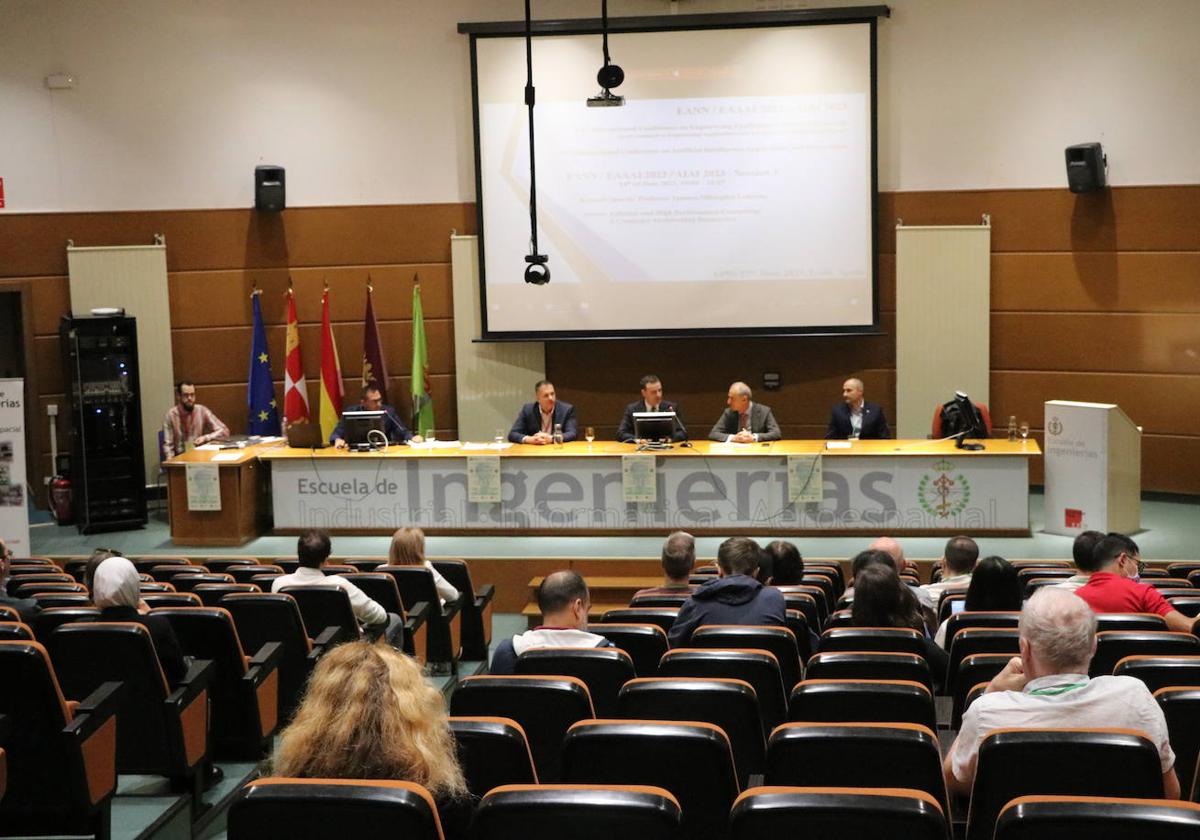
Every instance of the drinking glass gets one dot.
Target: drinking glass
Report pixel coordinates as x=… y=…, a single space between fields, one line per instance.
x=589 y=434
x=1023 y=430
x=498 y=437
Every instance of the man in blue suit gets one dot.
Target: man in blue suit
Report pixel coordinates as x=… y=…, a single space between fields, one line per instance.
x=535 y=424
x=652 y=400
x=856 y=419
x=372 y=400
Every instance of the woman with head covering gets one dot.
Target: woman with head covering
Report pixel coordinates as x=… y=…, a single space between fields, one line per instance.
x=408 y=549
x=116 y=591
x=369 y=713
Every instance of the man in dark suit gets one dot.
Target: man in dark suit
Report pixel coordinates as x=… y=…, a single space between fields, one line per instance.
x=535 y=424
x=372 y=400
x=856 y=419
x=652 y=400
x=744 y=421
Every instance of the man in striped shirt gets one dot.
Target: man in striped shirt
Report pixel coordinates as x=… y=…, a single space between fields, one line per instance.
x=188 y=424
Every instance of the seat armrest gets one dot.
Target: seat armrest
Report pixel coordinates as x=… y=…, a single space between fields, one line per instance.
x=95 y=710
x=484 y=595
x=450 y=610
x=264 y=662
x=198 y=678
x=415 y=616
x=323 y=641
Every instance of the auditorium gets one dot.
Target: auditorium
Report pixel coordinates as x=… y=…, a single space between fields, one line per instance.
x=688 y=418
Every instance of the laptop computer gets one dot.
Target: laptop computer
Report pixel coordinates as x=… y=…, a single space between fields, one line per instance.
x=306 y=436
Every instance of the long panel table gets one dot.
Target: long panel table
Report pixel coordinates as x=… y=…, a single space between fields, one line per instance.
x=902 y=487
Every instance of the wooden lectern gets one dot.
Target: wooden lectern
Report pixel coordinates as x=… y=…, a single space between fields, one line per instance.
x=1093 y=462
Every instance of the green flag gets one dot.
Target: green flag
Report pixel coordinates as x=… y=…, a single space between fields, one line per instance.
x=422 y=402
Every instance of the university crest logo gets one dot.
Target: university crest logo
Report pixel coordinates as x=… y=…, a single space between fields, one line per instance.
x=945 y=493
x=1054 y=427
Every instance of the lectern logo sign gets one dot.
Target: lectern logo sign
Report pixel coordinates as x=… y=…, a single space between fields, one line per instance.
x=944 y=494
x=1054 y=427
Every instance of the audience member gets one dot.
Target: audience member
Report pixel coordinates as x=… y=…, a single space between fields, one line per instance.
x=369 y=714
x=787 y=566
x=408 y=549
x=1084 y=552
x=735 y=597
x=116 y=591
x=957 y=563
x=903 y=564
x=313 y=549
x=881 y=600
x=994 y=587
x=26 y=608
x=1047 y=686
x=564 y=603
x=678 y=560
x=1114 y=587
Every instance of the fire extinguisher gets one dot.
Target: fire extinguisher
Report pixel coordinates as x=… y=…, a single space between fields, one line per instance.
x=60 y=500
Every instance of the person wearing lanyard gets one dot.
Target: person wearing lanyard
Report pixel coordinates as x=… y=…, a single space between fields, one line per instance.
x=1047 y=687
x=188 y=424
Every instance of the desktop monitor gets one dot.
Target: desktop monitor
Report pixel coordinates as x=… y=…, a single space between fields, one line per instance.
x=357 y=426
x=654 y=426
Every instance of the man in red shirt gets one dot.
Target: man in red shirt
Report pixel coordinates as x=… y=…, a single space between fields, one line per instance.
x=1114 y=587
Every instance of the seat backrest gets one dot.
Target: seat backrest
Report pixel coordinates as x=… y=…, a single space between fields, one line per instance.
x=209 y=633
x=823 y=604
x=806 y=604
x=46 y=600
x=896 y=639
x=866 y=755
x=663 y=617
x=1183 y=568
x=545 y=707
x=870 y=665
x=780 y=641
x=1181 y=707
x=223 y=564
x=728 y=703
x=972 y=640
x=211 y=593
x=1161 y=671
x=1189 y=605
x=840 y=618
x=1130 y=621
x=1168 y=582
x=973 y=670
x=692 y=760
x=15 y=631
x=963 y=620
x=415 y=584
x=308 y=808
x=603 y=671
x=582 y=812
x=28 y=590
x=88 y=654
x=1114 y=818
x=458 y=574
x=188 y=583
x=1114 y=645
x=366 y=564
x=172 y=599
x=947 y=602
x=645 y=644
x=849 y=701
x=493 y=751
x=380 y=588
x=1081 y=762
x=847 y=813
x=47 y=620
x=758 y=668
x=246 y=573
x=325 y=606
x=9 y=614
x=265 y=617
x=660 y=600
x=145 y=564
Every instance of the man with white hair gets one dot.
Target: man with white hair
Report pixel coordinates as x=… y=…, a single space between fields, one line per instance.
x=1047 y=687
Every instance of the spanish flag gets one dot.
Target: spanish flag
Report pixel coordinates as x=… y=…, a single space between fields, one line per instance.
x=331 y=374
x=295 y=390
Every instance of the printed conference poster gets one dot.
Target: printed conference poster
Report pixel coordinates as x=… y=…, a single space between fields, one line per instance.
x=638 y=478
x=14 y=513
x=203 y=486
x=483 y=478
x=804 y=478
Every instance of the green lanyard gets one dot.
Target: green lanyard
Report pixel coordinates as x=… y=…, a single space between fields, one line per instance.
x=1057 y=689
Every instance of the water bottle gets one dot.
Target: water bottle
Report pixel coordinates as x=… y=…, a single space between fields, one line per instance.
x=558 y=434
x=1012 y=429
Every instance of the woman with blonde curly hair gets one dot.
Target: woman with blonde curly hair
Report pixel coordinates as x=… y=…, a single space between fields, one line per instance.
x=368 y=713
x=408 y=549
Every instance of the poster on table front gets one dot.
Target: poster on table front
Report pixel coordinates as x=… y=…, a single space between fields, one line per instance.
x=14 y=512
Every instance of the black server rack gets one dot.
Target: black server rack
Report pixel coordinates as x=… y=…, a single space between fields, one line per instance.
x=108 y=474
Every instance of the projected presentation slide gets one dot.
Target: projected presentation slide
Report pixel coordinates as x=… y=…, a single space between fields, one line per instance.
x=732 y=191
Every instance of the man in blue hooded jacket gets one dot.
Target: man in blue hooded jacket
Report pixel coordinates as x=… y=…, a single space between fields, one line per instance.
x=735 y=597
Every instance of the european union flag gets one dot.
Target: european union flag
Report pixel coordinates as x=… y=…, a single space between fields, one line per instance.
x=260 y=395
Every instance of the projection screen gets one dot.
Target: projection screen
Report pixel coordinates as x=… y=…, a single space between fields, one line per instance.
x=734 y=193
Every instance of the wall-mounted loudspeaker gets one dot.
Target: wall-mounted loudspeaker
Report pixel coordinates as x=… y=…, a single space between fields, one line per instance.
x=1086 y=168
x=269 y=188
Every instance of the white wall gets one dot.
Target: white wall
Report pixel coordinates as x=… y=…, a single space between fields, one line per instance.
x=368 y=101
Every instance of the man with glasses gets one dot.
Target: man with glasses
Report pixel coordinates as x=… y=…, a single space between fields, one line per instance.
x=188 y=424
x=27 y=608
x=1115 y=588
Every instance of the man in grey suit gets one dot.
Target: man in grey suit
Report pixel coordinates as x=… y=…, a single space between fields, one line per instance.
x=744 y=421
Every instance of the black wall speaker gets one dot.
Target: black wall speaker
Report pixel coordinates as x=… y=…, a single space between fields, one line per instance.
x=1086 y=167
x=269 y=192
